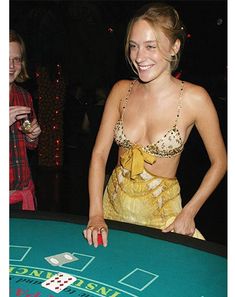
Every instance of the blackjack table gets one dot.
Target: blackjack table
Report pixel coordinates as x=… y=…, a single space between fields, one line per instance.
x=138 y=261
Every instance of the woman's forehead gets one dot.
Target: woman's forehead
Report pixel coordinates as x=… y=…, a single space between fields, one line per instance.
x=143 y=29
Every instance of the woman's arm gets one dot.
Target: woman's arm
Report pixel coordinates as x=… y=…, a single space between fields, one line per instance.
x=98 y=162
x=207 y=124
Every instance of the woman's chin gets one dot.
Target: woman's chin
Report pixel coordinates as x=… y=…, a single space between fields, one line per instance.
x=146 y=78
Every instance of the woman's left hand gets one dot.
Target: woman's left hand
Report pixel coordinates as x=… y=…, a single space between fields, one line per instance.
x=183 y=224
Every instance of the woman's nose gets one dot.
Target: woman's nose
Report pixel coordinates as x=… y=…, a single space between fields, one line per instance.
x=140 y=55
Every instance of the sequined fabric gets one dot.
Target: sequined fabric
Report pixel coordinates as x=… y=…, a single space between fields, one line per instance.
x=168 y=146
x=147 y=200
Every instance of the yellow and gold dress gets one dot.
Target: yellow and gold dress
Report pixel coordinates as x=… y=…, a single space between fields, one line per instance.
x=133 y=194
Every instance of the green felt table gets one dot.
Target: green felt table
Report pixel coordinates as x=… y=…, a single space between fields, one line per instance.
x=138 y=261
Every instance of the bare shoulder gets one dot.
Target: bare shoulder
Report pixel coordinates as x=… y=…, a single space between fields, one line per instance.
x=121 y=87
x=118 y=92
x=196 y=96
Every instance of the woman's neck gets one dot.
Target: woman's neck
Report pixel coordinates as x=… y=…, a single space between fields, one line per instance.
x=159 y=85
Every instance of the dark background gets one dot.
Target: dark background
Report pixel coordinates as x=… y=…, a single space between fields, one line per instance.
x=87 y=39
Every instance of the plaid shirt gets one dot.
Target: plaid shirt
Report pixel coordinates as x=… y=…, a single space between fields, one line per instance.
x=19 y=167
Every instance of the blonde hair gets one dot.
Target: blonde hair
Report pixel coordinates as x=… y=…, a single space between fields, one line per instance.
x=15 y=37
x=164 y=17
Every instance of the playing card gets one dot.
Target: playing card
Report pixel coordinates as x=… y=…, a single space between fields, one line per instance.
x=60 y=259
x=59 y=282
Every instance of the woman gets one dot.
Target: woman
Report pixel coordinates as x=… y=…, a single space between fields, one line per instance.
x=150 y=119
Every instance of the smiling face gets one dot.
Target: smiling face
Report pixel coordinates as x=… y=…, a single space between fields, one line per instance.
x=15 y=65
x=150 y=51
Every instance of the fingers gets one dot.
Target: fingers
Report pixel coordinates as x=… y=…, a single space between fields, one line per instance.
x=17 y=113
x=104 y=234
x=91 y=234
x=170 y=228
x=34 y=131
x=21 y=116
x=192 y=231
x=19 y=109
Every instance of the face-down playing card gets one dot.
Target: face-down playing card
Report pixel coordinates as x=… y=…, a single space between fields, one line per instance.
x=60 y=259
x=59 y=282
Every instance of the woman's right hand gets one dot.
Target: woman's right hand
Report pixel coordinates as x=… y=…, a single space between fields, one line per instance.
x=95 y=226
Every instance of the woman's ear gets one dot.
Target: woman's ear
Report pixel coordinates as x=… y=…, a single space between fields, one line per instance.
x=176 y=47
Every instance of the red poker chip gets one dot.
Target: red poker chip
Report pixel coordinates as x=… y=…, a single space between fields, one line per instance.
x=100 y=240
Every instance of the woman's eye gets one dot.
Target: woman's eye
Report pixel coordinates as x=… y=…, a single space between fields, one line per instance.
x=132 y=45
x=151 y=46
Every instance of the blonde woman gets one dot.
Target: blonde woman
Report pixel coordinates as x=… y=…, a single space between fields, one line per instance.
x=150 y=119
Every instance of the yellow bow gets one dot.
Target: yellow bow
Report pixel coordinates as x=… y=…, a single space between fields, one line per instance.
x=133 y=160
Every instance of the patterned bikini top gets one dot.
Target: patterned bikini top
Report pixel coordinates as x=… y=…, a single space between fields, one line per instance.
x=168 y=146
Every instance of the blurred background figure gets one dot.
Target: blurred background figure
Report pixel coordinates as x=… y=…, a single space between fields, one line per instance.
x=22 y=194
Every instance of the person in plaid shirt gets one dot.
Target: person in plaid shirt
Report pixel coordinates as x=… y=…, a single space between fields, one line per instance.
x=21 y=108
